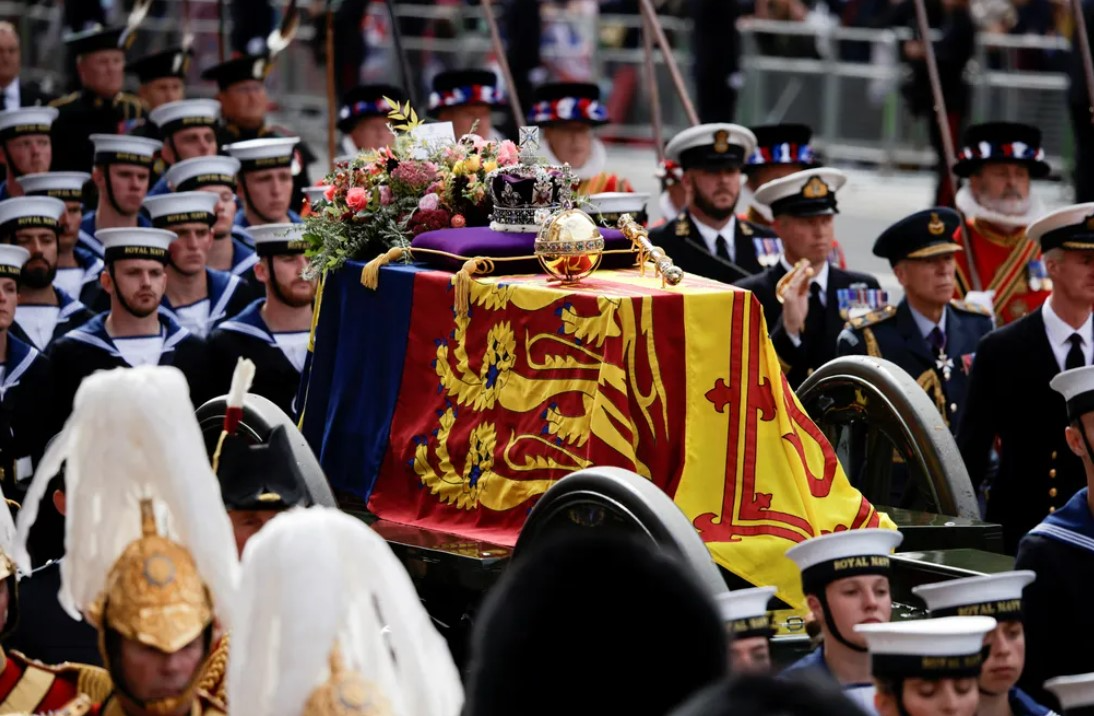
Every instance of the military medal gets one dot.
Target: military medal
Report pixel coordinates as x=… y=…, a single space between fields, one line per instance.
x=1037 y=275
x=858 y=300
x=768 y=251
x=945 y=364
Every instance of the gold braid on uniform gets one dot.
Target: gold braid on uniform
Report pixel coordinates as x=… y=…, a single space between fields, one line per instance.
x=930 y=383
x=93 y=681
x=212 y=679
x=872 y=348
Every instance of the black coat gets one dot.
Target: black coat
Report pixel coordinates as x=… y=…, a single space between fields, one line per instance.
x=894 y=336
x=681 y=240
x=82 y=114
x=89 y=348
x=73 y=314
x=31 y=94
x=1009 y=397
x=247 y=336
x=27 y=417
x=801 y=360
x=44 y=630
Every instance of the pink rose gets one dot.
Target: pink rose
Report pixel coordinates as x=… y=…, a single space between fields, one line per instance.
x=474 y=141
x=429 y=202
x=508 y=154
x=356 y=198
x=385 y=195
x=458 y=222
x=329 y=193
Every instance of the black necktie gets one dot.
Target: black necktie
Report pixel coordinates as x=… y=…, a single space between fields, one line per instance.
x=721 y=248
x=1075 y=357
x=937 y=339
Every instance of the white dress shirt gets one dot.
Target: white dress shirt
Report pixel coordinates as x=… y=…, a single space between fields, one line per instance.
x=1059 y=335
x=12 y=98
x=710 y=236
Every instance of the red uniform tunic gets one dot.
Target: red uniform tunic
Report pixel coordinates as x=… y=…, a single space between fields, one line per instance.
x=30 y=687
x=602 y=182
x=1003 y=262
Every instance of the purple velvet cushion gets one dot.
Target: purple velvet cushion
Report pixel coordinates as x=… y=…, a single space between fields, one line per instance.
x=481 y=241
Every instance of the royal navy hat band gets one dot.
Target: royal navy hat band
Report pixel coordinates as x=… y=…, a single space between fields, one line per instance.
x=1080 y=405
x=184 y=217
x=14 y=272
x=153 y=253
x=107 y=158
x=63 y=194
x=818 y=576
x=1001 y=609
x=29 y=222
x=22 y=130
x=202 y=180
x=276 y=248
x=257 y=165
x=177 y=125
x=750 y=627
x=928 y=667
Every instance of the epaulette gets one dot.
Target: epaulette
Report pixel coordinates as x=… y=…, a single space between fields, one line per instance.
x=970 y=307
x=746 y=228
x=683 y=226
x=873 y=317
x=67 y=99
x=91 y=680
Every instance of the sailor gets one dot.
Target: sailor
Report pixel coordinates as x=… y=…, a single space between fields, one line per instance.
x=232 y=250
x=928 y=334
x=188 y=130
x=748 y=626
x=1037 y=473
x=123 y=166
x=781 y=150
x=1075 y=693
x=568 y=112
x=845 y=578
x=198 y=298
x=273 y=331
x=133 y=332
x=26 y=685
x=99 y=106
x=1058 y=550
x=800 y=294
x=78 y=268
x=26 y=145
x=1000 y=596
x=363 y=645
x=27 y=386
x=45 y=312
x=362 y=117
x=706 y=238
x=999 y=159
x=927 y=667
x=265 y=181
x=150 y=560
x=468 y=98
x=241 y=91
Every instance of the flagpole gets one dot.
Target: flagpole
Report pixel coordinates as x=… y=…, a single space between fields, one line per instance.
x=221 y=29
x=332 y=100
x=503 y=62
x=654 y=91
x=650 y=15
x=942 y=120
x=409 y=84
x=1084 y=51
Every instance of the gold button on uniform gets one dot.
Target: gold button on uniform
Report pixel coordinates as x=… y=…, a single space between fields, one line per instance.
x=1052 y=492
x=953 y=407
x=1053 y=454
x=1051 y=510
x=1052 y=472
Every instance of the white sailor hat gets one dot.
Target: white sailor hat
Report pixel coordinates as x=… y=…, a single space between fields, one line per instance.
x=315 y=194
x=271 y=239
x=12 y=258
x=135 y=243
x=267 y=153
x=68 y=186
x=1073 y=692
x=1077 y=387
x=1071 y=227
x=184 y=207
x=186 y=113
x=124 y=149
x=838 y=555
x=811 y=192
x=190 y=174
x=610 y=206
x=26 y=120
x=30 y=212
x=949 y=647
x=711 y=146
x=745 y=611
x=990 y=595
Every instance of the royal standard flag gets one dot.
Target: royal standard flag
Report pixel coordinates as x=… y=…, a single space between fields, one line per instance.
x=460 y=422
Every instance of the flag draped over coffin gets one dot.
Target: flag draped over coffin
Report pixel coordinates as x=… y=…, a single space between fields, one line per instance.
x=459 y=422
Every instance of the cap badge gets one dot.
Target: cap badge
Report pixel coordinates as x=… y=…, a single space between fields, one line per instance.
x=259 y=70
x=815 y=189
x=936 y=226
x=721 y=141
x=176 y=62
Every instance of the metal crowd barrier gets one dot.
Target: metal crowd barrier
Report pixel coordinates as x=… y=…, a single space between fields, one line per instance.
x=856 y=108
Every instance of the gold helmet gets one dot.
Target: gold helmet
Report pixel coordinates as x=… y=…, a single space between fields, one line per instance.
x=346 y=693
x=154 y=594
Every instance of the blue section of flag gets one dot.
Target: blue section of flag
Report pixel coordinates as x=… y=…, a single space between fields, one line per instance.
x=353 y=377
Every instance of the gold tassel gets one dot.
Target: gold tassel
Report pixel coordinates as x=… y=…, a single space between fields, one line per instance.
x=462 y=282
x=370 y=274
